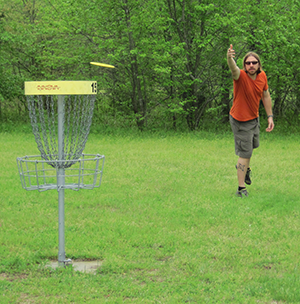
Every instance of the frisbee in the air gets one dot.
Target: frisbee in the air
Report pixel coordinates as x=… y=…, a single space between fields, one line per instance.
x=103 y=65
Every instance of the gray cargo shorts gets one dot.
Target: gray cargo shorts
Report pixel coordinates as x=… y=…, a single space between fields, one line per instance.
x=246 y=136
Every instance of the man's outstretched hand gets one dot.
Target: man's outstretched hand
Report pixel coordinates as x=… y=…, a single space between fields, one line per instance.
x=231 y=52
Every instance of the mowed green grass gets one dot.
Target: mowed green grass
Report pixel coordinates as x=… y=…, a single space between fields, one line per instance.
x=165 y=224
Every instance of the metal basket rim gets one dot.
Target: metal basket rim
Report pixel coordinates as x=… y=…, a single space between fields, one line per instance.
x=91 y=157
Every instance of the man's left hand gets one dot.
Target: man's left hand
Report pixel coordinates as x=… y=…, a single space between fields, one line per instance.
x=270 y=124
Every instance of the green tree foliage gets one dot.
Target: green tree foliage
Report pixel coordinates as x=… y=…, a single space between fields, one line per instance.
x=170 y=54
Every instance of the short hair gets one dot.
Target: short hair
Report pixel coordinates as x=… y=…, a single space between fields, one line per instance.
x=258 y=59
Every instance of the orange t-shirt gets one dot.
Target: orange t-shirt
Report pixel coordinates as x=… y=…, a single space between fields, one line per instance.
x=247 y=95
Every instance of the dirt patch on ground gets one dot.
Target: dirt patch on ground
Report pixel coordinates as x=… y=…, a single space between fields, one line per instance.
x=11 y=277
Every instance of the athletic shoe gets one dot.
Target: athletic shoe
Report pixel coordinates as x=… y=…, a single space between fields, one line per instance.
x=242 y=193
x=247 y=177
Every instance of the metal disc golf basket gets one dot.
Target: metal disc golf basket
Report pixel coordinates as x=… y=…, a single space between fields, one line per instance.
x=61 y=115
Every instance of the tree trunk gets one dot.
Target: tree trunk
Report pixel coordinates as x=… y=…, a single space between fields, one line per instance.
x=139 y=103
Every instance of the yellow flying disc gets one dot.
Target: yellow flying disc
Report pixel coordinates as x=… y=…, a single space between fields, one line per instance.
x=103 y=65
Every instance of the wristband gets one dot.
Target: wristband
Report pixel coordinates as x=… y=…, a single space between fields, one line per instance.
x=270 y=116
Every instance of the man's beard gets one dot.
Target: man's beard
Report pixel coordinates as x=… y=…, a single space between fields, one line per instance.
x=252 y=71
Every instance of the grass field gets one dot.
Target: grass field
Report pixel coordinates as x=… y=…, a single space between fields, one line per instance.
x=165 y=224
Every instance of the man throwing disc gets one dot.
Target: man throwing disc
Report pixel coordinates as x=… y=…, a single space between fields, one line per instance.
x=250 y=85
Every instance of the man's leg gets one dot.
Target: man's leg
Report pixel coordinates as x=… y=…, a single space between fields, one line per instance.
x=242 y=166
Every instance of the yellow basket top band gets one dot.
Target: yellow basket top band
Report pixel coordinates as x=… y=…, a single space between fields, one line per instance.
x=60 y=87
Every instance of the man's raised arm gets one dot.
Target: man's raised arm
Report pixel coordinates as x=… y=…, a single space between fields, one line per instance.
x=235 y=71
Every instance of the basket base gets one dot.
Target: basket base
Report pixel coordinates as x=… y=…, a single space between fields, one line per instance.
x=36 y=173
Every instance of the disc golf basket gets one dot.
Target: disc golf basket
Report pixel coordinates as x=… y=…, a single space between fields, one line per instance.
x=61 y=115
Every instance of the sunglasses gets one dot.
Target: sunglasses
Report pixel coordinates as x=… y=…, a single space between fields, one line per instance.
x=253 y=62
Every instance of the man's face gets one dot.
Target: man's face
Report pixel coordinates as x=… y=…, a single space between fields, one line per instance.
x=252 y=65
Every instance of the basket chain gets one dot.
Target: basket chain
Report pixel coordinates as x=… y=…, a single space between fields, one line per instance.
x=78 y=113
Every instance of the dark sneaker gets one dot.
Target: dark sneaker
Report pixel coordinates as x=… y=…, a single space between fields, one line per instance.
x=247 y=177
x=242 y=193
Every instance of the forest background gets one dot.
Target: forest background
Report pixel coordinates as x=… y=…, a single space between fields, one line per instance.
x=170 y=56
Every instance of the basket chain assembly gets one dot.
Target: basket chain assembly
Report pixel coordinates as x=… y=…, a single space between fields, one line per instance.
x=77 y=119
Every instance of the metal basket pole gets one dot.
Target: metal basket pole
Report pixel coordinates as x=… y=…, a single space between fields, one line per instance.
x=61 y=183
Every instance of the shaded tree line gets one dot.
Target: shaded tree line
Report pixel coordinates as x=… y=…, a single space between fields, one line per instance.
x=170 y=54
